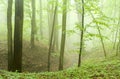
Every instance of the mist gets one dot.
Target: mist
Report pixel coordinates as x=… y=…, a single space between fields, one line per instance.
x=57 y=34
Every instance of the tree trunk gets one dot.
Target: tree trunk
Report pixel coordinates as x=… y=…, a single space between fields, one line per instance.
x=118 y=45
x=41 y=14
x=56 y=33
x=33 y=24
x=9 y=35
x=51 y=38
x=55 y=40
x=64 y=16
x=101 y=38
x=18 y=33
x=50 y=18
x=82 y=34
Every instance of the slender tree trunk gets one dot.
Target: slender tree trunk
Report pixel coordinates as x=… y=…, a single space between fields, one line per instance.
x=55 y=40
x=80 y=6
x=64 y=16
x=18 y=31
x=101 y=38
x=33 y=24
x=50 y=18
x=118 y=45
x=41 y=25
x=116 y=34
x=51 y=38
x=9 y=35
x=56 y=33
x=82 y=35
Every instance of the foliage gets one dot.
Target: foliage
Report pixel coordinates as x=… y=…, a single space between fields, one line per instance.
x=104 y=69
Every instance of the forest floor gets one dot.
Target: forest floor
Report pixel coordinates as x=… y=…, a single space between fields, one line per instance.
x=34 y=60
x=106 y=69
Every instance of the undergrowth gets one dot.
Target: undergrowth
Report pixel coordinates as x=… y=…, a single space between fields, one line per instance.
x=105 y=69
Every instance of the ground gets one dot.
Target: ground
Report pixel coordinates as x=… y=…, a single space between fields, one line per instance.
x=104 y=69
x=34 y=60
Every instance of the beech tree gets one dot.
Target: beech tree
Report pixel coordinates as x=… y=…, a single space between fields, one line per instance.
x=9 y=35
x=51 y=37
x=64 y=16
x=33 y=24
x=82 y=35
x=18 y=34
x=41 y=17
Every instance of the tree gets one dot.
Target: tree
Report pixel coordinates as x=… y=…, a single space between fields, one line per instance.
x=98 y=20
x=56 y=35
x=81 y=36
x=118 y=33
x=50 y=12
x=64 y=16
x=99 y=31
x=51 y=38
x=18 y=31
x=33 y=24
x=9 y=35
x=41 y=14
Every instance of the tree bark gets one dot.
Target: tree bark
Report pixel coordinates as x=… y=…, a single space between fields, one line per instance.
x=18 y=33
x=9 y=35
x=41 y=25
x=33 y=24
x=64 y=16
x=51 y=38
x=50 y=18
x=82 y=35
x=101 y=38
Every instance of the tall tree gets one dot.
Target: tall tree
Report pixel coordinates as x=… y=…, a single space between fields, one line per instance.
x=99 y=31
x=118 y=35
x=41 y=14
x=33 y=24
x=51 y=38
x=9 y=35
x=118 y=45
x=64 y=16
x=82 y=35
x=56 y=35
x=18 y=34
x=50 y=12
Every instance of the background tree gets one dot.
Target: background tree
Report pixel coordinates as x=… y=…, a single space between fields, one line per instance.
x=33 y=24
x=64 y=16
x=41 y=22
x=50 y=11
x=51 y=38
x=56 y=35
x=9 y=35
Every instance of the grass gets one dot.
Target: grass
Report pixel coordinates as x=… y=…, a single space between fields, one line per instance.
x=105 y=69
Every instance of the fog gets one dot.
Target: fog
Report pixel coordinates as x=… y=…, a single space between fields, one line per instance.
x=92 y=46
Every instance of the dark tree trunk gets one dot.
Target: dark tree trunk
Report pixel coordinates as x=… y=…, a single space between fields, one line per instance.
x=9 y=35
x=61 y=60
x=18 y=31
x=81 y=36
